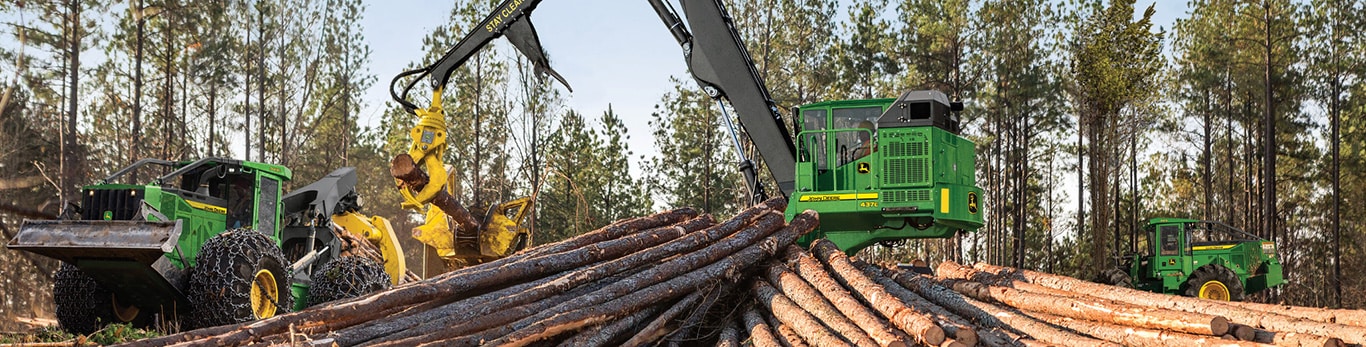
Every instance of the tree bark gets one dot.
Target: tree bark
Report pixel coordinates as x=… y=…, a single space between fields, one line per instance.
x=604 y=334
x=446 y=288
x=809 y=269
x=960 y=329
x=730 y=335
x=453 y=319
x=786 y=335
x=405 y=170
x=792 y=315
x=909 y=320
x=70 y=161
x=1097 y=310
x=680 y=266
x=659 y=326
x=1131 y=336
x=956 y=271
x=988 y=315
x=1296 y=340
x=1267 y=320
x=536 y=328
x=806 y=296
x=760 y=334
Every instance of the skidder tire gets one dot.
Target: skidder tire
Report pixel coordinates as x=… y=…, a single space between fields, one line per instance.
x=347 y=277
x=82 y=305
x=1116 y=277
x=240 y=276
x=1214 y=282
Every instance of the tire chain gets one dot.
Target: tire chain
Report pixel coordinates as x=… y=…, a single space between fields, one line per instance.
x=79 y=300
x=347 y=277
x=220 y=283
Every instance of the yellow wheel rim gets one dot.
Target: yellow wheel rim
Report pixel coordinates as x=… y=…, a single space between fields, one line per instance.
x=123 y=313
x=264 y=294
x=1214 y=290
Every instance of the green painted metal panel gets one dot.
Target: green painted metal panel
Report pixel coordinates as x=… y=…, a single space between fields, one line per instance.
x=917 y=182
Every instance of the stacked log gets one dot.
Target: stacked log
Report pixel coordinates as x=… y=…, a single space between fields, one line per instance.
x=644 y=280
x=680 y=278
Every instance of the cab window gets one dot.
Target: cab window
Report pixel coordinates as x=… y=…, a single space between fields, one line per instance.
x=813 y=144
x=1170 y=235
x=266 y=207
x=857 y=143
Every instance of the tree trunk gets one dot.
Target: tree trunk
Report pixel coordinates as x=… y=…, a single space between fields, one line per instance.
x=760 y=334
x=1298 y=340
x=909 y=320
x=447 y=288
x=1131 y=336
x=135 y=148
x=730 y=335
x=730 y=268
x=806 y=296
x=960 y=329
x=988 y=315
x=1269 y=138
x=809 y=269
x=70 y=160
x=794 y=316
x=1267 y=320
x=604 y=334
x=1096 y=310
x=452 y=320
x=659 y=326
x=414 y=179
x=786 y=335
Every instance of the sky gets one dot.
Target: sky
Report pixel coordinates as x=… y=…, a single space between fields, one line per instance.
x=610 y=51
x=622 y=56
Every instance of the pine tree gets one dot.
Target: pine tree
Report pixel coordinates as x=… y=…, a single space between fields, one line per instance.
x=693 y=149
x=1101 y=90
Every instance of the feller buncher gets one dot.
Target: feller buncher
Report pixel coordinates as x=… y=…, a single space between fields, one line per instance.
x=1195 y=258
x=877 y=170
x=208 y=242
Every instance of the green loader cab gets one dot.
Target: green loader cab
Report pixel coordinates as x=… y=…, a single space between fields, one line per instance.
x=1195 y=258
x=885 y=170
x=202 y=243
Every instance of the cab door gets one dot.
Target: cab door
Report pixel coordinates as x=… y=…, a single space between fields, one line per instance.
x=1167 y=261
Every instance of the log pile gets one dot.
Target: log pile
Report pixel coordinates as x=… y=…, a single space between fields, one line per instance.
x=680 y=278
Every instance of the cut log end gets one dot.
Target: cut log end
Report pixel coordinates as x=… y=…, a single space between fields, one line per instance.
x=1243 y=332
x=1219 y=326
x=933 y=335
x=404 y=168
x=953 y=343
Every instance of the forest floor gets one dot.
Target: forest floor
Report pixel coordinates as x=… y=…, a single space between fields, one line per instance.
x=44 y=332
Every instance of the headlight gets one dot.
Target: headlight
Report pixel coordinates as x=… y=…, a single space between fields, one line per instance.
x=1269 y=248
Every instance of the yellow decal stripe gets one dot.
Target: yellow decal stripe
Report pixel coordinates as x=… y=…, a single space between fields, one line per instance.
x=1207 y=248
x=207 y=207
x=838 y=197
x=944 y=200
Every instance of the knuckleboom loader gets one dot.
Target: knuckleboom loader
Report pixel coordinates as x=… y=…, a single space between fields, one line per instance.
x=877 y=170
x=207 y=242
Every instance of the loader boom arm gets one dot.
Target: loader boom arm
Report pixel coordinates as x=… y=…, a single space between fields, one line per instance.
x=717 y=58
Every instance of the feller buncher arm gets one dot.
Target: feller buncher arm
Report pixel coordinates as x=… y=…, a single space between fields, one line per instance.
x=422 y=177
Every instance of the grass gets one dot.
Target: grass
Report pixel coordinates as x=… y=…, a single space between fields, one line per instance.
x=111 y=334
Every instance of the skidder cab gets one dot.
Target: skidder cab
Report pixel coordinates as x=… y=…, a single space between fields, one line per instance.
x=1197 y=258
